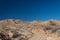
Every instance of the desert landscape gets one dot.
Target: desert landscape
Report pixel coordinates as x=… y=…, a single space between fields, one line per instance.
x=35 y=30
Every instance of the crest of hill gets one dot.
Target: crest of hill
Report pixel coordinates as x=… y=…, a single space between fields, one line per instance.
x=13 y=21
x=47 y=22
x=57 y=22
x=36 y=21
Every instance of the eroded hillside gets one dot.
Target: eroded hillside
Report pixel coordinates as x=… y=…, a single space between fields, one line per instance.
x=35 y=30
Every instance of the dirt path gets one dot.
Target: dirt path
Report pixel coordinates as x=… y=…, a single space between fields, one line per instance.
x=38 y=35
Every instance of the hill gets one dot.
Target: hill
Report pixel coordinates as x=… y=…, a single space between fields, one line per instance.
x=36 y=30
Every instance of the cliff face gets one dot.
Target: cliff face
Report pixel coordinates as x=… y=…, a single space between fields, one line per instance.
x=35 y=30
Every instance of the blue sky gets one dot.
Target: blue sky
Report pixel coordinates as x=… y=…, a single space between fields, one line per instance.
x=29 y=10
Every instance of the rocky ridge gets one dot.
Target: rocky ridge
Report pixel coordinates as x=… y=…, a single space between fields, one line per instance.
x=36 y=30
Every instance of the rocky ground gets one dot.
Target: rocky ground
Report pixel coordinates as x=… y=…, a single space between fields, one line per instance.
x=36 y=30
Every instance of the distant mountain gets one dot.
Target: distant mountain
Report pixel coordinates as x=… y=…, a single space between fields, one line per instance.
x=36 y=30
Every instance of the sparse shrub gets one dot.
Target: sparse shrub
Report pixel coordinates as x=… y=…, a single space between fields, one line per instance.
x=55 y=29
x=16 y=34
x=19 y=35
x=52 y=23
x=4 y=36
x=58 y=32
x=47 y=28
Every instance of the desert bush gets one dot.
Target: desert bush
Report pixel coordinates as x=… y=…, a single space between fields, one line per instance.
x=20 y=36
x=16 y=34
x=52 y=23
x=58 y=32
x=55 y=29
x=47 y=28
x=4 y=36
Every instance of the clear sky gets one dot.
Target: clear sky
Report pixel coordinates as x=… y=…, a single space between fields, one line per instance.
x=30 y=9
